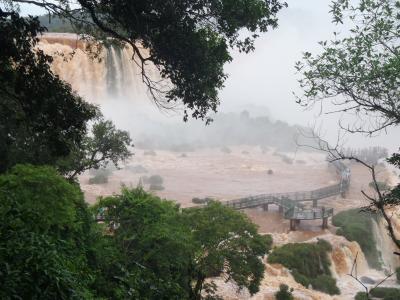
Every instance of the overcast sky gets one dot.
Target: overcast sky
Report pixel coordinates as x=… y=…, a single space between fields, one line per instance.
x=267 y=76
x=265 y=79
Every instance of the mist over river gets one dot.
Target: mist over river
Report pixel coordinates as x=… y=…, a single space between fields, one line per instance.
x=205 y=165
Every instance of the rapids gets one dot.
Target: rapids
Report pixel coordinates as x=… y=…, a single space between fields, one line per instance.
x=116 y=78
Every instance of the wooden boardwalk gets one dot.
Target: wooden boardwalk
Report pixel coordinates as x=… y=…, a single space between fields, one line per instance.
x=290 y=203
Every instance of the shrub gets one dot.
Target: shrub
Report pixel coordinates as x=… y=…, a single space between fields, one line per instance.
x=386 y=293
x=270 y=172
x=398 y=274
x=361 y=296
x=99 y=179
x=284 y=293
x=155 y=187
x=202 y=200
x=156 y=182
x=226 y=150
x=326 y=284
x=103 y=171
x=46 y=231
x=357 y=226
x=155 y=179
x=309 y=264
x=245 y=152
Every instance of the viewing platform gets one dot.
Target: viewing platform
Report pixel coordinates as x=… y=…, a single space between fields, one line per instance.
x=290 y=203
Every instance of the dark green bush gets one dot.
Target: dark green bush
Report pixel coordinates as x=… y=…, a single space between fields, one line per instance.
x=99 y=179
x=309 y=264
x=326 y=284
x=361 y=296
x=202 y=200
x=284 y=293
x=398 y=274
x=357 y=226
x=386 y=293
x=45 y=235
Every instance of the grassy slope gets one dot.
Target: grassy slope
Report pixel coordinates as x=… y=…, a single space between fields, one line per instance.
x=309 y=264
x=357 y=226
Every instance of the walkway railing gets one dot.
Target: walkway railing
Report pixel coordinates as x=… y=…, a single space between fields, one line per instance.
x=294 y=210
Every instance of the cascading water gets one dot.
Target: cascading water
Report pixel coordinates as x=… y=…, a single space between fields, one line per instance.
x=385 y=246
x=113 y=76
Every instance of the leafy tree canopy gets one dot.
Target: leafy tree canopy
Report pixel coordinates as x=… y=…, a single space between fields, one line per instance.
x=103 y=145
x=42 y=121
x=45 y=236
x=175 y=252
x=187 y=41
x=40 y=117
x=227 y=243
x=359 y=73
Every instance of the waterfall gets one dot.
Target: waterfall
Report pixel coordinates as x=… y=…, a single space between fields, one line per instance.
x=385 y=245
x=113 y=76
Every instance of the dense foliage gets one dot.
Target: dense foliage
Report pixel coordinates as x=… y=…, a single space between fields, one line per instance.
x=187 y=41
x=42 y=121
x=383 y=293
x=46 y=236
x=358 y=73
x=386 y=293
x=228 y=245
x=309 y=264
x=40 y=117
x=357 y=226
x=145 y=248
x=284 y=293
x=175 y=252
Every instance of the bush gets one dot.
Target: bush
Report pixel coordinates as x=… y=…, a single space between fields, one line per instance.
x=45 y=233
x=205 y=200
x=386 y=293
x=103 y=171
x=156 y=187
x=398 y=274
x=226 y=150
x=155 y=182
x=270 y=172
x=99 y=179
x=284 y=293
x=326 y=284
x=357 y=226
x=309 y=263
x=361 y=296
